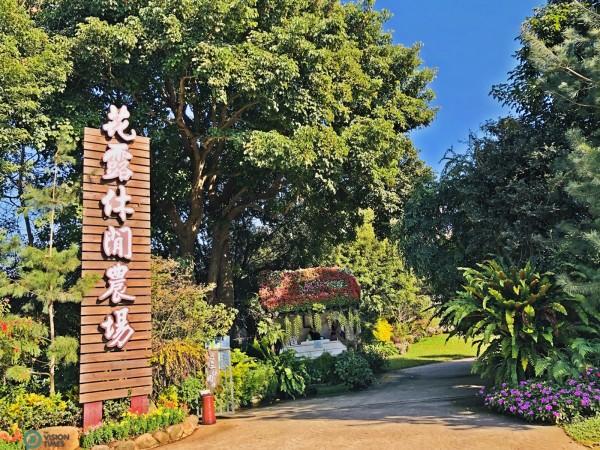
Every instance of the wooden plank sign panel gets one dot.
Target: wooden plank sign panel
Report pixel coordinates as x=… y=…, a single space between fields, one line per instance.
x=116 y=313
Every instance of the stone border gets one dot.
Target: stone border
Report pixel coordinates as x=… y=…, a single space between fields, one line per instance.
x=70 y=437
x=172 y=433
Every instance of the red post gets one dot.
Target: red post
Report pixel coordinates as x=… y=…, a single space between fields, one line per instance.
x=208 y=410
x=92 y=414
x=139 y=404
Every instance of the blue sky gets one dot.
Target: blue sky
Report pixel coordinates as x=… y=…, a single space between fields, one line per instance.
x=471 y=44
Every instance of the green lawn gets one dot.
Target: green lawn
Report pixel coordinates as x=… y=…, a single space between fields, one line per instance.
x=586 y=432
x=432 y=349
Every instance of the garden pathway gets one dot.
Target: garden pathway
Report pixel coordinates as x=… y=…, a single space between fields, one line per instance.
x=423 y=408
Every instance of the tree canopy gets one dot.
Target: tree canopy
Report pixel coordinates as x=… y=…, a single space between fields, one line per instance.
x=255 y=108
x=506 y=195
x=389 y=289
x=33 y=67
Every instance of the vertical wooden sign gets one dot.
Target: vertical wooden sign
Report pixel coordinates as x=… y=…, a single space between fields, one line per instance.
x=116 y=314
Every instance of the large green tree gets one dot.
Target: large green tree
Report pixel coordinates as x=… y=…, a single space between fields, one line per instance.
x=501 y=197
x=255 y=107
x=33 y=67
x=48 y=277
x=506 y=195
x=570 y=70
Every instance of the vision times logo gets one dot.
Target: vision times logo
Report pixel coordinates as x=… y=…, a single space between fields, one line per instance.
x=32 y=439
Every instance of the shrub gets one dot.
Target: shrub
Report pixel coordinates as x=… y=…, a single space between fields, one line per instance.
x=115 y=410
x=183 y=322
x=321 y=370
x=290 y=372
x=543 y=401
x=179 y=306
x=377 y=355
x=168 y=398
x=132 y=426
x=382 y=331
x=526 y=327
x=190 y=392
x=353 y=370
x=252 y=380
x=35 y=411
x=21 y=339
x=175 y=360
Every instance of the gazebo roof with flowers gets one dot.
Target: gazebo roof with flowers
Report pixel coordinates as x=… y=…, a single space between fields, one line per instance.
x=296 y=290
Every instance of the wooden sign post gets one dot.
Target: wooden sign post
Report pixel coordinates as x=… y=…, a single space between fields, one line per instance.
x=116 y=314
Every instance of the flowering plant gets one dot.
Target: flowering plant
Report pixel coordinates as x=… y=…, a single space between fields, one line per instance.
x=14 y=435
x=132 y=425
x=539 y=401
x=292 y=289
x=29 y=410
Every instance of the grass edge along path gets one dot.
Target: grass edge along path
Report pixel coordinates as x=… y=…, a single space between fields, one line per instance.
x=586 y=431
x=431 y=350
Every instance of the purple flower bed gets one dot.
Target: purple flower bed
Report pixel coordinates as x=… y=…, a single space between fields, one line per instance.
x=541 y=401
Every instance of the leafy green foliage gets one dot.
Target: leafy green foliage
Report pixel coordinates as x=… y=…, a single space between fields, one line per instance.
x=389 y=289
x=578 y=253
x=260 y=112
x=513 y=177
x=21 y=340
x=523 y=325
x=321 y=370
x=115 y=410
x=253 y=380
x=353 y=370
x=505 y=181
x=34 y=411
x=33 y=67
x=175 y=360
x=183 y=322
x=586 y=431
x=11 y=445
x=289 y=371
x=47 y=277
x=377 y=355
x=180 y=308
x=190 y=392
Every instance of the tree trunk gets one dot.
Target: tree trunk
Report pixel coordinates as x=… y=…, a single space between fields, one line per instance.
x=219 y=259
x=187 y=244
x=21 y=191
x=52 y=364
x=225 y=292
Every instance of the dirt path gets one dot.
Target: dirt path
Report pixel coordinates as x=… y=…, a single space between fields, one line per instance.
x=424 y=408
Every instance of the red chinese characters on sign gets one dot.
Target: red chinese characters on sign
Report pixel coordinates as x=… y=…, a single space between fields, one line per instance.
x=117 y=241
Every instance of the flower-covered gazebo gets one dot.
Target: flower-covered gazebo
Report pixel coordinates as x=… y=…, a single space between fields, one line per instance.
x=317 y=307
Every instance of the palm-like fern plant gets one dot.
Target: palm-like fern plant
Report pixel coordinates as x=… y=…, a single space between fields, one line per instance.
x=523 y=324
